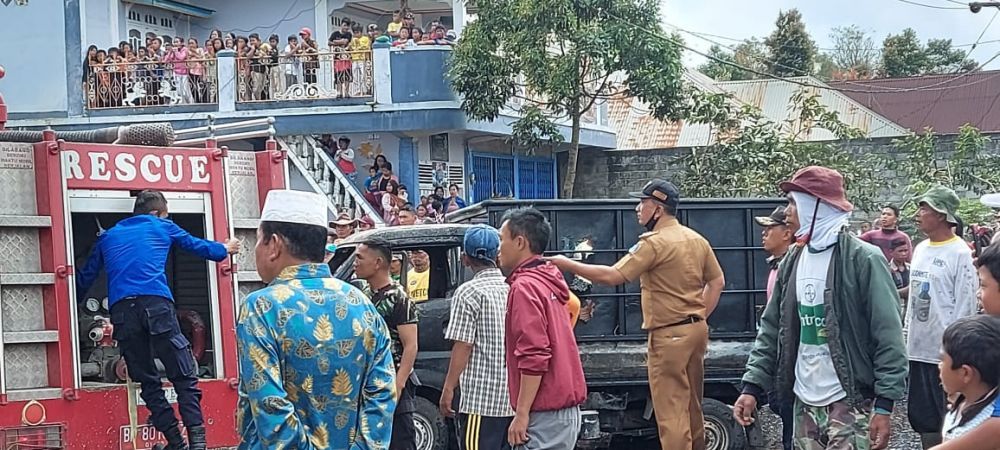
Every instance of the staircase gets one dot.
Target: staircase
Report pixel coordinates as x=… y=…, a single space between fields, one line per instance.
x=319 y=170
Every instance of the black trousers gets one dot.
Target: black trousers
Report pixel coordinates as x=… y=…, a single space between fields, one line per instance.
x=477 y=432
x=404 y=433
x=146 y=326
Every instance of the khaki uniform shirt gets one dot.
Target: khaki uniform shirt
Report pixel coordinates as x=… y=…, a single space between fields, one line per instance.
x=673 y=264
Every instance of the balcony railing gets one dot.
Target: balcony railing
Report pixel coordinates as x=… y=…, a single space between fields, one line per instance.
x=323 y=75
x=136 y=84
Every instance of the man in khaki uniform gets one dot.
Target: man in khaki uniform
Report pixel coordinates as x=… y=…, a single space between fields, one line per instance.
x=681 y=282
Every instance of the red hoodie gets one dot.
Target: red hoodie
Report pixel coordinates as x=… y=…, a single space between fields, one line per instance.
x=539 y=338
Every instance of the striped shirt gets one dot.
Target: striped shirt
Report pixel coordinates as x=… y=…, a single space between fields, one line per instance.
x=478 y=310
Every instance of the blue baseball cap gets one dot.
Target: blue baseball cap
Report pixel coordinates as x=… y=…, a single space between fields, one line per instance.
x=482 y=242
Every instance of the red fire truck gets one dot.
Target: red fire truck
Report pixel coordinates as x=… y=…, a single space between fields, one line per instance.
x=61 y=379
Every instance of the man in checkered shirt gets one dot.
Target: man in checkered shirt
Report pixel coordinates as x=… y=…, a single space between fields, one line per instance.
x=478 y=364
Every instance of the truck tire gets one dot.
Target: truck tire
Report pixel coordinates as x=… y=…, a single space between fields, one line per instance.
x=721 y=430
x=430 y=426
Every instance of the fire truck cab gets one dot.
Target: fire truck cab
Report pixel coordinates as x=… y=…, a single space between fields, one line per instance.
x=61 y=378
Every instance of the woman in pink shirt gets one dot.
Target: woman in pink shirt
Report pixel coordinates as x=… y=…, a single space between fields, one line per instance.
x=196 y=70
x=178 y=55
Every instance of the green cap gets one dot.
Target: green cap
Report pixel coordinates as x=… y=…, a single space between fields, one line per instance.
x=942 y=200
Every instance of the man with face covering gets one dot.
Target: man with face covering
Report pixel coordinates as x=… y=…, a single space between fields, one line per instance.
x=831 y=338
x=681 y=282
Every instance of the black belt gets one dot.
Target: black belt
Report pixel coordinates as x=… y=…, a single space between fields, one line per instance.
x=689 y=320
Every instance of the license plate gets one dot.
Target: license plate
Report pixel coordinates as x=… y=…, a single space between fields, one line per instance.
x=148 y=437
x=169 y=392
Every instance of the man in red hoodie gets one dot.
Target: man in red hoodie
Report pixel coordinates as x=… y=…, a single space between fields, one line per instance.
x=544 y=373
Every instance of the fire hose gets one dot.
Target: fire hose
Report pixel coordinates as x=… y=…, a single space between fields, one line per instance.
x=154 y=134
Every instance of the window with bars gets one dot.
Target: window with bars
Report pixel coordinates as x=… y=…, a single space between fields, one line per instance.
x=426 y=176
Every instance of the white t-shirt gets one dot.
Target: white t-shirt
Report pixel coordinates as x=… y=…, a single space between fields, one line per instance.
x=953 y=430
x=943 y=284
x=816 y=381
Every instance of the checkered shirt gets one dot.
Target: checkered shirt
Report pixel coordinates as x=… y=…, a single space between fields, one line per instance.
x=478 y=310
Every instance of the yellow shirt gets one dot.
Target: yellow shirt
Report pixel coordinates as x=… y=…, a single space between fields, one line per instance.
x=394 y=27
x=417 y=283
x=360 y=48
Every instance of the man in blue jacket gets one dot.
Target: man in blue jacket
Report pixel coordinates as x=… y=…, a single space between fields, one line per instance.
x=134 y=253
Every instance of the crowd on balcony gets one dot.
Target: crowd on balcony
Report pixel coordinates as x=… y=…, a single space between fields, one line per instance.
x=162 y=72
x=175 y=71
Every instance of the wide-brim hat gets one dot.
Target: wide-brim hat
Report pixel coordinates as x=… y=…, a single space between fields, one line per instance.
x=343 y=219
x=823 y=183
x=943 y=200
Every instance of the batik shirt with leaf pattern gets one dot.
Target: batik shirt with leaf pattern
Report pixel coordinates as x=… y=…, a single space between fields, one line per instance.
x=316 y=369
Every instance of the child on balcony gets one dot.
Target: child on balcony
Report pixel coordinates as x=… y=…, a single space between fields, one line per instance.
x=178 y=55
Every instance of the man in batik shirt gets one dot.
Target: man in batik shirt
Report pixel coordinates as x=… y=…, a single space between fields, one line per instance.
x=315 y=357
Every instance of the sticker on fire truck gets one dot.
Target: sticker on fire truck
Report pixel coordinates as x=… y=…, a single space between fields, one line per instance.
x=148 y=437
x=169 y=392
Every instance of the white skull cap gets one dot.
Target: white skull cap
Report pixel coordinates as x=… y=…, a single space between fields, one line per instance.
x=300 y=207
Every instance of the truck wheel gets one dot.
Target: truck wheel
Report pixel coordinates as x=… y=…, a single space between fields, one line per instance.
x=431 y=428
x=721 y=430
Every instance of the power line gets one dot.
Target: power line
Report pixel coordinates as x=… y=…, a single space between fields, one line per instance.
x=911 y=2
x=931 y=87
x=883 y=89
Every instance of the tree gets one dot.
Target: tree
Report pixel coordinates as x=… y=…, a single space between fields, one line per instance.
x=941 y=58
x=791 y=49
x=854 y=51
x=752 y=154
x=750 y=53
x=902 y=55
x=563 y=55
x=716 y=70
x=826 y=69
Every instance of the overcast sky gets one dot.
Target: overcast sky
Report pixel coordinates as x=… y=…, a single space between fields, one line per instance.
x=746 y=18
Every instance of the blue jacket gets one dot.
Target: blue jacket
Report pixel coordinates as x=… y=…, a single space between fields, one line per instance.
x=134 y=253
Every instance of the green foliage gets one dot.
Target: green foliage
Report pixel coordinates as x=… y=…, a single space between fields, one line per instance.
x=753 y=155
x=559 y=56
x=534 y=131
x=969 y=168
x=750 y=53
x=791 y=49
x=904 y=56
x=942 y=58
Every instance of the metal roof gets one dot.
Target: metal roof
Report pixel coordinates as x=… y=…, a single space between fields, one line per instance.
x=773 y=98
x=636 y=129
x=941 y=102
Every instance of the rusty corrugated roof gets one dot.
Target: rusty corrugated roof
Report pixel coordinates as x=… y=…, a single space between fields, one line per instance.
x=636 y=129
x=941 y=102
x=773 y=97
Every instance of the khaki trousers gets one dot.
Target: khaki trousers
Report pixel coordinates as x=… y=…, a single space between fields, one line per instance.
x=676 y=362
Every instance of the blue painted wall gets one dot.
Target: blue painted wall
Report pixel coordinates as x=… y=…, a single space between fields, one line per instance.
x=39 y=27
x=418 y=75
x=408 y=164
